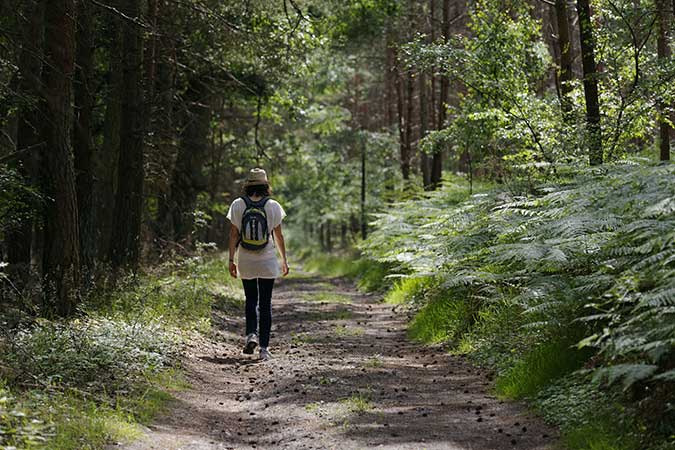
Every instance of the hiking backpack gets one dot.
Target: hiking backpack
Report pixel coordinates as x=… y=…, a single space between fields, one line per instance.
x=254 y=233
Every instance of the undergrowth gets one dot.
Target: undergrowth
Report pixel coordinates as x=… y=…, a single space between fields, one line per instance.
x=91 y=380
x=572 y=281
x=369 y=275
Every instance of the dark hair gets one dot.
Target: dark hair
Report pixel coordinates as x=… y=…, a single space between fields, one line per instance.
x=262 y=190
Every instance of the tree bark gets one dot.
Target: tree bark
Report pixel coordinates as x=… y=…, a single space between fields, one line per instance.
x=437 y=162
x=390 y=82
x=404 y=158
x=664 y=12
x=188 y=180
x=409 y=92
x=432 y=103
x=126 y=235
x=593 y=131
x=364 y=223
x=424 y=127
x=61 y=261
x=82 y=135
x=18 y=238
x=107 y=159
x=565 y=75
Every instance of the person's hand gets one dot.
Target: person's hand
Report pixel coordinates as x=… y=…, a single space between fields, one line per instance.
x=233 y=269
x=284 y=268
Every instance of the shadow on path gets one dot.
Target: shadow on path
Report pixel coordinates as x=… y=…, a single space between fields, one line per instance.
x=344 y=376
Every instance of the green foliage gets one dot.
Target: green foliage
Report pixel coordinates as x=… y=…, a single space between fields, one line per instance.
x=539 y=367
x=408 y=290
x=94 y=351
x=503 y=124
x=535 y=284
x=101 y=374
x=357 y=21
x=588 y=417
x=498 y=337
x=443 y=319
x=179 y=294
x=369 y=275
x=84 y=424
x=20 y=427
x=18 y=200
x=358 y=403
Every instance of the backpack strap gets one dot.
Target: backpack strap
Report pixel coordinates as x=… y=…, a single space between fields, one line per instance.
x=247 y=201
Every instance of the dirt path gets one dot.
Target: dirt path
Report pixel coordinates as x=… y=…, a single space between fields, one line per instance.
x=344 y=376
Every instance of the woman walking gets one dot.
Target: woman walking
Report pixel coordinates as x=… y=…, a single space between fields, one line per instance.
x=255 y=235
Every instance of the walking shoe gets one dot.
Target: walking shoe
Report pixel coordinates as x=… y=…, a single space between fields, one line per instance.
x=251 y=343
x=265 y=354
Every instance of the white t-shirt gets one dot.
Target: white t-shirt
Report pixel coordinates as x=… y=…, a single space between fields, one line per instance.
x=261 y=263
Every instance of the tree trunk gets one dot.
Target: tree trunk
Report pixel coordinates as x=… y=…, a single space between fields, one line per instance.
x=18 y=238
x=432 y=103
x=187 y=180
x=593 y=131
x=409 y=92
x=565 y=75
x=404 y=159
x=162 y=125
x=107 y=159
x=126 y=235
x=61 y=261
x=664 y=52
x=437 y=162
x=82 y=134
x=424 y=127
x=390 y=82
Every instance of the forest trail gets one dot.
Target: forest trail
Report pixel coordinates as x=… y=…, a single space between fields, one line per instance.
x=344 y=376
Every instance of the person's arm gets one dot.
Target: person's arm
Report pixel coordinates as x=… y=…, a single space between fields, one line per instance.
x=281 y=244
x=234 y=241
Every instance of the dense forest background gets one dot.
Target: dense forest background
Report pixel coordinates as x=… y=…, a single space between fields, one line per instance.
x=506 y=161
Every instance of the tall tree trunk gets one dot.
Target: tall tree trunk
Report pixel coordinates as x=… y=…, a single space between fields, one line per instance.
x=61 y=259
x=404 y=160
x=163 y=124
x=432 y=103
x=437 y=162
x=126 y=236
x=664 y=21
x=18 y=238
x=565 y=74
x=364 y=222
x=424 y=127
x=107 y=159
x=390 y=80
x=188 y=179
x=410 y=105
x=593 y=131
x=82 y=135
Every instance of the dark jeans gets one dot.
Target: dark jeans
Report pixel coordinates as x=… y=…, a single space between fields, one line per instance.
x=259 y=297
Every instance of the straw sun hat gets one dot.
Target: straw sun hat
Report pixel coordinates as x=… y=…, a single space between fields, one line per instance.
x=256 y=177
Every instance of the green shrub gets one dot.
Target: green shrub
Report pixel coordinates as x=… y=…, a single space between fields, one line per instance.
x=179 y=294
x=539 y=367
x=20 y=427
x=90 y=351
x=442 y=319
x=498 y=338
x=589 y=417
x=408 y=290
x=590 y=246
x=85 y=424
x=369 y=275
